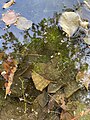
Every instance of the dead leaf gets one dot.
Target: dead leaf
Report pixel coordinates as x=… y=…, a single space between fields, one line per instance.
x=39 y=81
x=6 y=66
x=23 y=24
x=8 y=91
x=10 y=67
x=80 y=76
x=59 y=98
x=53 y=88
x=84 y=78
x=65 y=115
x=8 y=4
x=71 y=88
x=1 y=55
x=69 y=21
x=53 y=117
x=63 y=103
x=51 y=104
x=42 y=99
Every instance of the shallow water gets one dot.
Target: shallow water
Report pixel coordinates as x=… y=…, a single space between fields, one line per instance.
x=35 y=10
x=52 y=51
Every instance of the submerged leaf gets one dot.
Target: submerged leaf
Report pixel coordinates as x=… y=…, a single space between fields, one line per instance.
x=39 y=81
x=1 y=55
x=84 y=78
x=66 y=116
x=8 y=86
x=71 y=88
x=23 y=23
x=10 y=67
x=8 y=4
x=53 y=88
x=69 y=21
x=42 y=99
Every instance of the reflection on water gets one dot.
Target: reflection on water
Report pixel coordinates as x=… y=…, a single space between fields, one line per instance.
x=34 y=10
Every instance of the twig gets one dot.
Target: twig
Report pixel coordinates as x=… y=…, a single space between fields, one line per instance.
x=25 y=104
x=29 y=54
x=21 y=99
x=56 y=112
x=53 y=98
x=23 y=71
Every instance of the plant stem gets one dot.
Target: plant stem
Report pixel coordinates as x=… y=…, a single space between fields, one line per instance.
x=25 y=104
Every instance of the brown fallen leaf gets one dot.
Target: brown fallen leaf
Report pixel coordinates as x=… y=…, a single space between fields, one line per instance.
x=6 y=66
x=39 y=81
x=8 y=4
x=66 y=116
x=84 y=78
x=51 y=105
x=54 y=87
x=42 y=99
x=8 y=91
x=10 y=66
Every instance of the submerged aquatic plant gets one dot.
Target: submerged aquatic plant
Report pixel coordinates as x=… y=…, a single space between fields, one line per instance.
x=25 y=104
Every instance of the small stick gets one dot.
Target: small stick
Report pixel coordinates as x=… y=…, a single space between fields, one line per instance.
x=25 y=104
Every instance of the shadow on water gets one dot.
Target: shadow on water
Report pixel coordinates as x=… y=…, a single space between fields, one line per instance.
x=46 y=50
